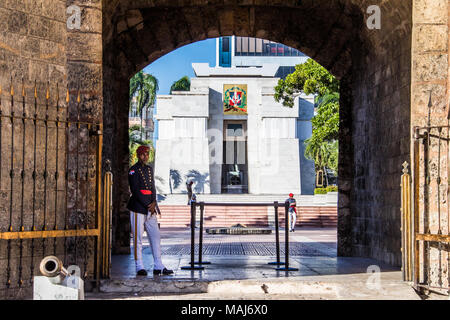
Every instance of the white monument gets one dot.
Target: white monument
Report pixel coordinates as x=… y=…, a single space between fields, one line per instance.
x=229 y=135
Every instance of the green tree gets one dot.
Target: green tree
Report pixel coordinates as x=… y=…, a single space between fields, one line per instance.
x=143 y=87
x=312 y=78
x=309 y=78
x=135 y=142
x=183 y=84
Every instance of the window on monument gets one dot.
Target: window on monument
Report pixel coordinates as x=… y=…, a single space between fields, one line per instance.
x=251 y=46
x=273 y=49
x=234 y=130
x=238 y=46
x=244 y=46
x=226 y=44
x=259 y=47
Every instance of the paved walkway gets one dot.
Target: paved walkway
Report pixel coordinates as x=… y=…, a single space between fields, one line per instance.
x=239 y=269
x=313 y=251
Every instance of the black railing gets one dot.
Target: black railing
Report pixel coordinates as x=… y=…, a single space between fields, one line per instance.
x=202 y=205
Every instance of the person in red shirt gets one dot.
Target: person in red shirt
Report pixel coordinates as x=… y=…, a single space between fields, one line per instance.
x=292 y=212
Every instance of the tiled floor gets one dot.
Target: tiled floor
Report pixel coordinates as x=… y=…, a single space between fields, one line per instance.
x=234 y=257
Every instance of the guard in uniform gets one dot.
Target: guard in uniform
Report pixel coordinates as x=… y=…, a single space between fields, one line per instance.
x=143 y=212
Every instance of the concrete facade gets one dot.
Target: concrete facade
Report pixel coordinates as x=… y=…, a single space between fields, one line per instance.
x=191 y=126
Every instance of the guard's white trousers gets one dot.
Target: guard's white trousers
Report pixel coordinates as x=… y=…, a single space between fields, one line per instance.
x=292 y=219
x=140 y=221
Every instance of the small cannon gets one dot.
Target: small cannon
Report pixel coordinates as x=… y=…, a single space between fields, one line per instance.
x=52 y=267
x=57 y=282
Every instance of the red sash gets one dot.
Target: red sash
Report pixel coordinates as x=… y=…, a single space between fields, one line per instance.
x=146 y=192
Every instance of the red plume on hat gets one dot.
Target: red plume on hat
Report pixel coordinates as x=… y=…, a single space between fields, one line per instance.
x=142 y=150
x=291 y=194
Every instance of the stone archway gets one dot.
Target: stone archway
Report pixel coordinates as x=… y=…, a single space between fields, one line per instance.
x=373 y=66
x=387 y=76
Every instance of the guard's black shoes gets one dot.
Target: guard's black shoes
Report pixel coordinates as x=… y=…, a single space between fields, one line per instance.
x=164 y=271
x=142 y=272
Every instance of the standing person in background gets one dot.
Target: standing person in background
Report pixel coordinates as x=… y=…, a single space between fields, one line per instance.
x=189 y=190
x=292 y=212
x=143 y=210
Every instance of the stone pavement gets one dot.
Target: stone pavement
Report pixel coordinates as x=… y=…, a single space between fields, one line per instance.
x=239 y=269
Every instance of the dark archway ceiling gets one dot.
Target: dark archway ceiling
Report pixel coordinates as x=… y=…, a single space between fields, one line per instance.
x=139 y=32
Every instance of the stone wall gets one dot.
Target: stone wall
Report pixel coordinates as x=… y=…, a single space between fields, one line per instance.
x=380 y=131
x=430 y=95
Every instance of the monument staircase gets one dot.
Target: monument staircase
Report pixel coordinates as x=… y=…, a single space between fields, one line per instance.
x=312 y=211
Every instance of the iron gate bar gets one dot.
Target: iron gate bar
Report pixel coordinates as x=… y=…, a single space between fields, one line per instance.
x=49 y=234
x=23 y=184
x=438 y=181
x=11 y=172
x=66 y=172
x=1 y=129
x=55 y=226
x=77 y=173
x=86 y=219
x=432 y=237
x=47 y=96
x=33 y=226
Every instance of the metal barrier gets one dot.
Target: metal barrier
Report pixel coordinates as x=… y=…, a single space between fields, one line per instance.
x=53 y=160
x=200 y=250
x=277 y=237
x=192 y=263
x=286 y=240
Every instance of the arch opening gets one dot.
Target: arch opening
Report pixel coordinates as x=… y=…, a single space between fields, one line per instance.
x=373 y=72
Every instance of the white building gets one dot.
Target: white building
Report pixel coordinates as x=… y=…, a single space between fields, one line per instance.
x=260 y=152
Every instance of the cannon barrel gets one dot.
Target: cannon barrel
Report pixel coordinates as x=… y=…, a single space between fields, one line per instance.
x=51 y=267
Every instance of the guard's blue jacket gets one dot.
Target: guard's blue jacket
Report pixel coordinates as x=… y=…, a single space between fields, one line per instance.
x=142 y=186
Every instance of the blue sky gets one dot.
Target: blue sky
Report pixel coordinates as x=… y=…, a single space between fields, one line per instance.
x=178 y=63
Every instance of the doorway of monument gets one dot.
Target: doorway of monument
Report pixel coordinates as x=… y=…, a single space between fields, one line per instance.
x=235 y=166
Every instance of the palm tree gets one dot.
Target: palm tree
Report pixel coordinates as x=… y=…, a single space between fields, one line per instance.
x=135 y=141
x=183 y=84
x=143 y=86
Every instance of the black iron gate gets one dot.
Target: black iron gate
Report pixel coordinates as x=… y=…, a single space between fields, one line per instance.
x=430 y=223
x=50 y=185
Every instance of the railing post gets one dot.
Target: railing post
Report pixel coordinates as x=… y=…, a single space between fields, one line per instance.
x=200 y=240
x=277 y=236
x=107 y=220
x=286 y=239
x=406 y=223
x=192 y=263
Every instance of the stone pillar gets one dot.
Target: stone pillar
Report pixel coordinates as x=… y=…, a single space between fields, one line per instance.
x=430 y=92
